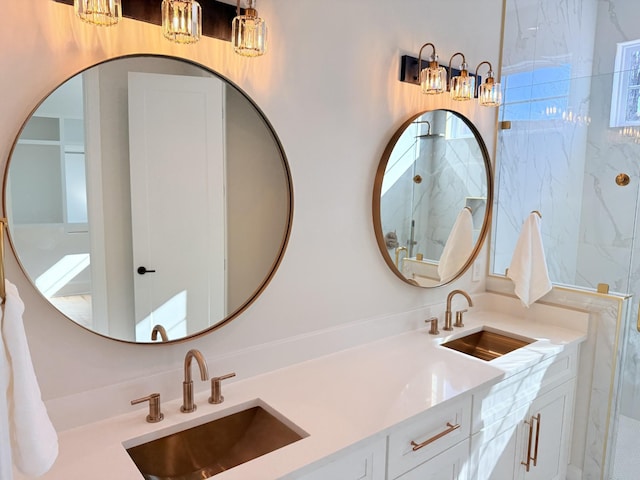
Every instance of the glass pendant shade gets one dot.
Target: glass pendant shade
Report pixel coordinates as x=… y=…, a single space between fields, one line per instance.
x=433 y=79
x=98 y=12
x=490 y=94
x=462 y=87
x=249 y=33
x=181 y=21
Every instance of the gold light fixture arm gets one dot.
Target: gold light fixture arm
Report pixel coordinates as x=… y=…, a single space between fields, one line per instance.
x=433 y=59
x=463 y=68
x=489 y=76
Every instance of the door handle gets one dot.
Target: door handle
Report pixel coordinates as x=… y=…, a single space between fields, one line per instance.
x=535 y=450
x=143 y=270
x=527 y=464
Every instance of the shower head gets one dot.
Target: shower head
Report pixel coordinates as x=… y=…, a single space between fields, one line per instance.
x=428 y=134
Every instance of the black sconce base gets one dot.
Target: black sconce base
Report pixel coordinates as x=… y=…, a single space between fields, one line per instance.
x=409 y=70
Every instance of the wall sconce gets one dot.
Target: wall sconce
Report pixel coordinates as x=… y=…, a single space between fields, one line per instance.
x=216 y=16
x=181 y=21
x=98 y=12
x=490 y=92
x=462 y=86
x=249 y=32
x=433 y=78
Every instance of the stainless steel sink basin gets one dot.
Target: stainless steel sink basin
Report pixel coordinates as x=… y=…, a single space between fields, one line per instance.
x=486 y=344
x=208 y=449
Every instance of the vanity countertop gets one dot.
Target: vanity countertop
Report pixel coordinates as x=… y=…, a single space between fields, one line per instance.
x=339 y=399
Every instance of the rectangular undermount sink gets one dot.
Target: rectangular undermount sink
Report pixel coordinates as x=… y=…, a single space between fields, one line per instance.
x=213 y=447
x=486 y=345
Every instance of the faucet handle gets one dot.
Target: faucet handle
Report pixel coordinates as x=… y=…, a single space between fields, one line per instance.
x=434 y=325
x=216 y=388
x=459 y=314
x=155 y=415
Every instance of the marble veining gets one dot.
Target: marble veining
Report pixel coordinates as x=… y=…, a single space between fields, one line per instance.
x=561 y=157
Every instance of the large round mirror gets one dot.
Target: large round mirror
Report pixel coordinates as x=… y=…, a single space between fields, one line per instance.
x=148 y=199
x=432 y=198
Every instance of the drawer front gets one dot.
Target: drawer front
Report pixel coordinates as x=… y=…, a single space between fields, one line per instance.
x=428 y=434
x=494 y=403
x=367 y=463
x=449 y=465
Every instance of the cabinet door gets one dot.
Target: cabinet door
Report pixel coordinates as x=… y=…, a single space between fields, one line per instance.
x=494 y=453
x=452 y=464
x=549 y=425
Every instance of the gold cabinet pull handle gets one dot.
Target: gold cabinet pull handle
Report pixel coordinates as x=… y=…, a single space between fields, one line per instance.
x=451 y=428
x=527 y=464
x=535 y=450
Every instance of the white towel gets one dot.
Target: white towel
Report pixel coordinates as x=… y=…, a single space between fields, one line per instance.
x=528 y=269
x=33 y=442
x=458 y=247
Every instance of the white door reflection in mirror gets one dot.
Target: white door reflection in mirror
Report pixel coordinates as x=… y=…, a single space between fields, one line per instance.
x=220 y=257
x=170 y=234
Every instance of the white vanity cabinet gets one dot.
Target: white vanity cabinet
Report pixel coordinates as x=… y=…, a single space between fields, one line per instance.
x=522 y=425
x=518 y=428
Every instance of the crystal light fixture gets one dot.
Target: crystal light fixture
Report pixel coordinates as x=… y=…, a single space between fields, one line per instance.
x=181 y=21
x=249 y=32
x=433 y=79
x=490 y=92
x=98 y=12
x=461 y=87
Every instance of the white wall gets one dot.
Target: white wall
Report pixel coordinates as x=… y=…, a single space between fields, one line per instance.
x=329 y=86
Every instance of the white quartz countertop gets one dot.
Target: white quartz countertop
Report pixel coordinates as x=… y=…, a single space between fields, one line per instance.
x=338 y=400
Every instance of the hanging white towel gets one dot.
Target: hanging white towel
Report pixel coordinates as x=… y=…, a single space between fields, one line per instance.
x=458 y=247
x=528 y=269
x=33 y=442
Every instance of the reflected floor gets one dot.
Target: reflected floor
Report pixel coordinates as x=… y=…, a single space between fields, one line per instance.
x=77 y=307
x=626 y=462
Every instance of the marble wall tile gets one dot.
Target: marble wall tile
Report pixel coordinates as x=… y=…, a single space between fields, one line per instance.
x=610 y=231
x=562 y=154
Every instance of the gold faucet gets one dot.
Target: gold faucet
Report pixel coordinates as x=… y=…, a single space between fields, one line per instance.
x=398 y=250
x=187 y=385
x=159 y=329
x=447 y=314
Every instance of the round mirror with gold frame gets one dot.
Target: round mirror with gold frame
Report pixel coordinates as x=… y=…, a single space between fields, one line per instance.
x=432 y=198
x=148 y=199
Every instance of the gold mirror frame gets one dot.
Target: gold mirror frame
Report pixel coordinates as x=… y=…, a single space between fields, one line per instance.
x=287 y=215
x=377 y=190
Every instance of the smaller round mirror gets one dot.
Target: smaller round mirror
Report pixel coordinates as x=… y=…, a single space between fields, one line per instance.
x=432 y=198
